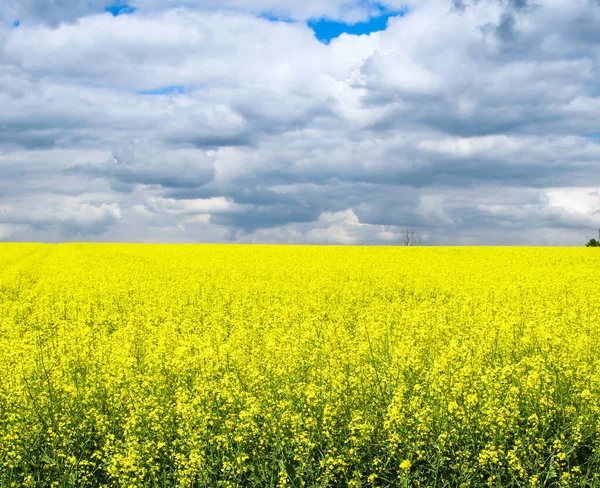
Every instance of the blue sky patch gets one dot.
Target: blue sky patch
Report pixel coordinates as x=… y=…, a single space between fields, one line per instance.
x=325 y=30
x=165 y=90
x=120 y=9
x=272 y=17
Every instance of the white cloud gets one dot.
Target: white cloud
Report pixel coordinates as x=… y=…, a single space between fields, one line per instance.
x=583 y=201
x=346 y=10
x=199 y=206
x=70 y=217
x=460 y=122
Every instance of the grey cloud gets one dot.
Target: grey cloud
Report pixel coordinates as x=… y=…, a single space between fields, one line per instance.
x=266 y=217
x=459 y=5
x=27 y=173
x=330 y=228
x=390 y=193
x=30 y=139
x=522 y=210
x=519 y=3
x=58 y=11
x=220 y=107
x=146 y=164
x=208 y=140
x=53 y=12
x=515 y=4
x=69 y=218
x=506 y=28
x=470 y=133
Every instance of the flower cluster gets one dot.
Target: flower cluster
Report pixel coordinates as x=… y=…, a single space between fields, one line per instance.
x=192 y=366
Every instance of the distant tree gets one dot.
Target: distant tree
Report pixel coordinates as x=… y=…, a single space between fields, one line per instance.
x=410 y=237
x=594 y=242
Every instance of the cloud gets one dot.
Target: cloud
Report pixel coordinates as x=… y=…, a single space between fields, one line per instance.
x=351 y=11
x=6 y=231
x=198 y=206
x=71 y=218
x=584 y=202
x=468 y=120
x=145 y=164
x=326 y=29
x=338 y=228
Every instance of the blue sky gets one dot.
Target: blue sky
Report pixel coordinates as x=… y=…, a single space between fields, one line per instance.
x=165 y=90
x=120 y=9
x=326 y=29
x=198 y=121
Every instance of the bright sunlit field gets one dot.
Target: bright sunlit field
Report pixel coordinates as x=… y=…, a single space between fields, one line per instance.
x=148 y=365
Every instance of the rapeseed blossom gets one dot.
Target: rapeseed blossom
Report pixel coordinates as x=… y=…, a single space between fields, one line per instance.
x=151 y=365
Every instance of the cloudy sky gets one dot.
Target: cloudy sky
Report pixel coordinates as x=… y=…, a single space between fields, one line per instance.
x=287 y=121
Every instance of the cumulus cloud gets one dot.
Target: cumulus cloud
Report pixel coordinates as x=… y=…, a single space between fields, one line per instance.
x=68 y=10
x=144 y=163
x=71 y=218
x=474 y=121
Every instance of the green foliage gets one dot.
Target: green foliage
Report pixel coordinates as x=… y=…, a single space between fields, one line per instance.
x=593 y=243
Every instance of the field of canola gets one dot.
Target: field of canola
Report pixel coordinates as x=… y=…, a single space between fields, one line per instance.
x=148 y=365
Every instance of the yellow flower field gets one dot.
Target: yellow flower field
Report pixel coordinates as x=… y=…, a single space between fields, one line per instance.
x=164 y=365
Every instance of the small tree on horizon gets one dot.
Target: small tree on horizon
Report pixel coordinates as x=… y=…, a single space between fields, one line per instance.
x=594 y=242
x=410 y=237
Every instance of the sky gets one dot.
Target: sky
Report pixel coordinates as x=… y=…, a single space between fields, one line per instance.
x=475 y=122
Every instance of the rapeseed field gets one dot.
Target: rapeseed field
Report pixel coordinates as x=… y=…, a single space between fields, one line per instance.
x=226 y=366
